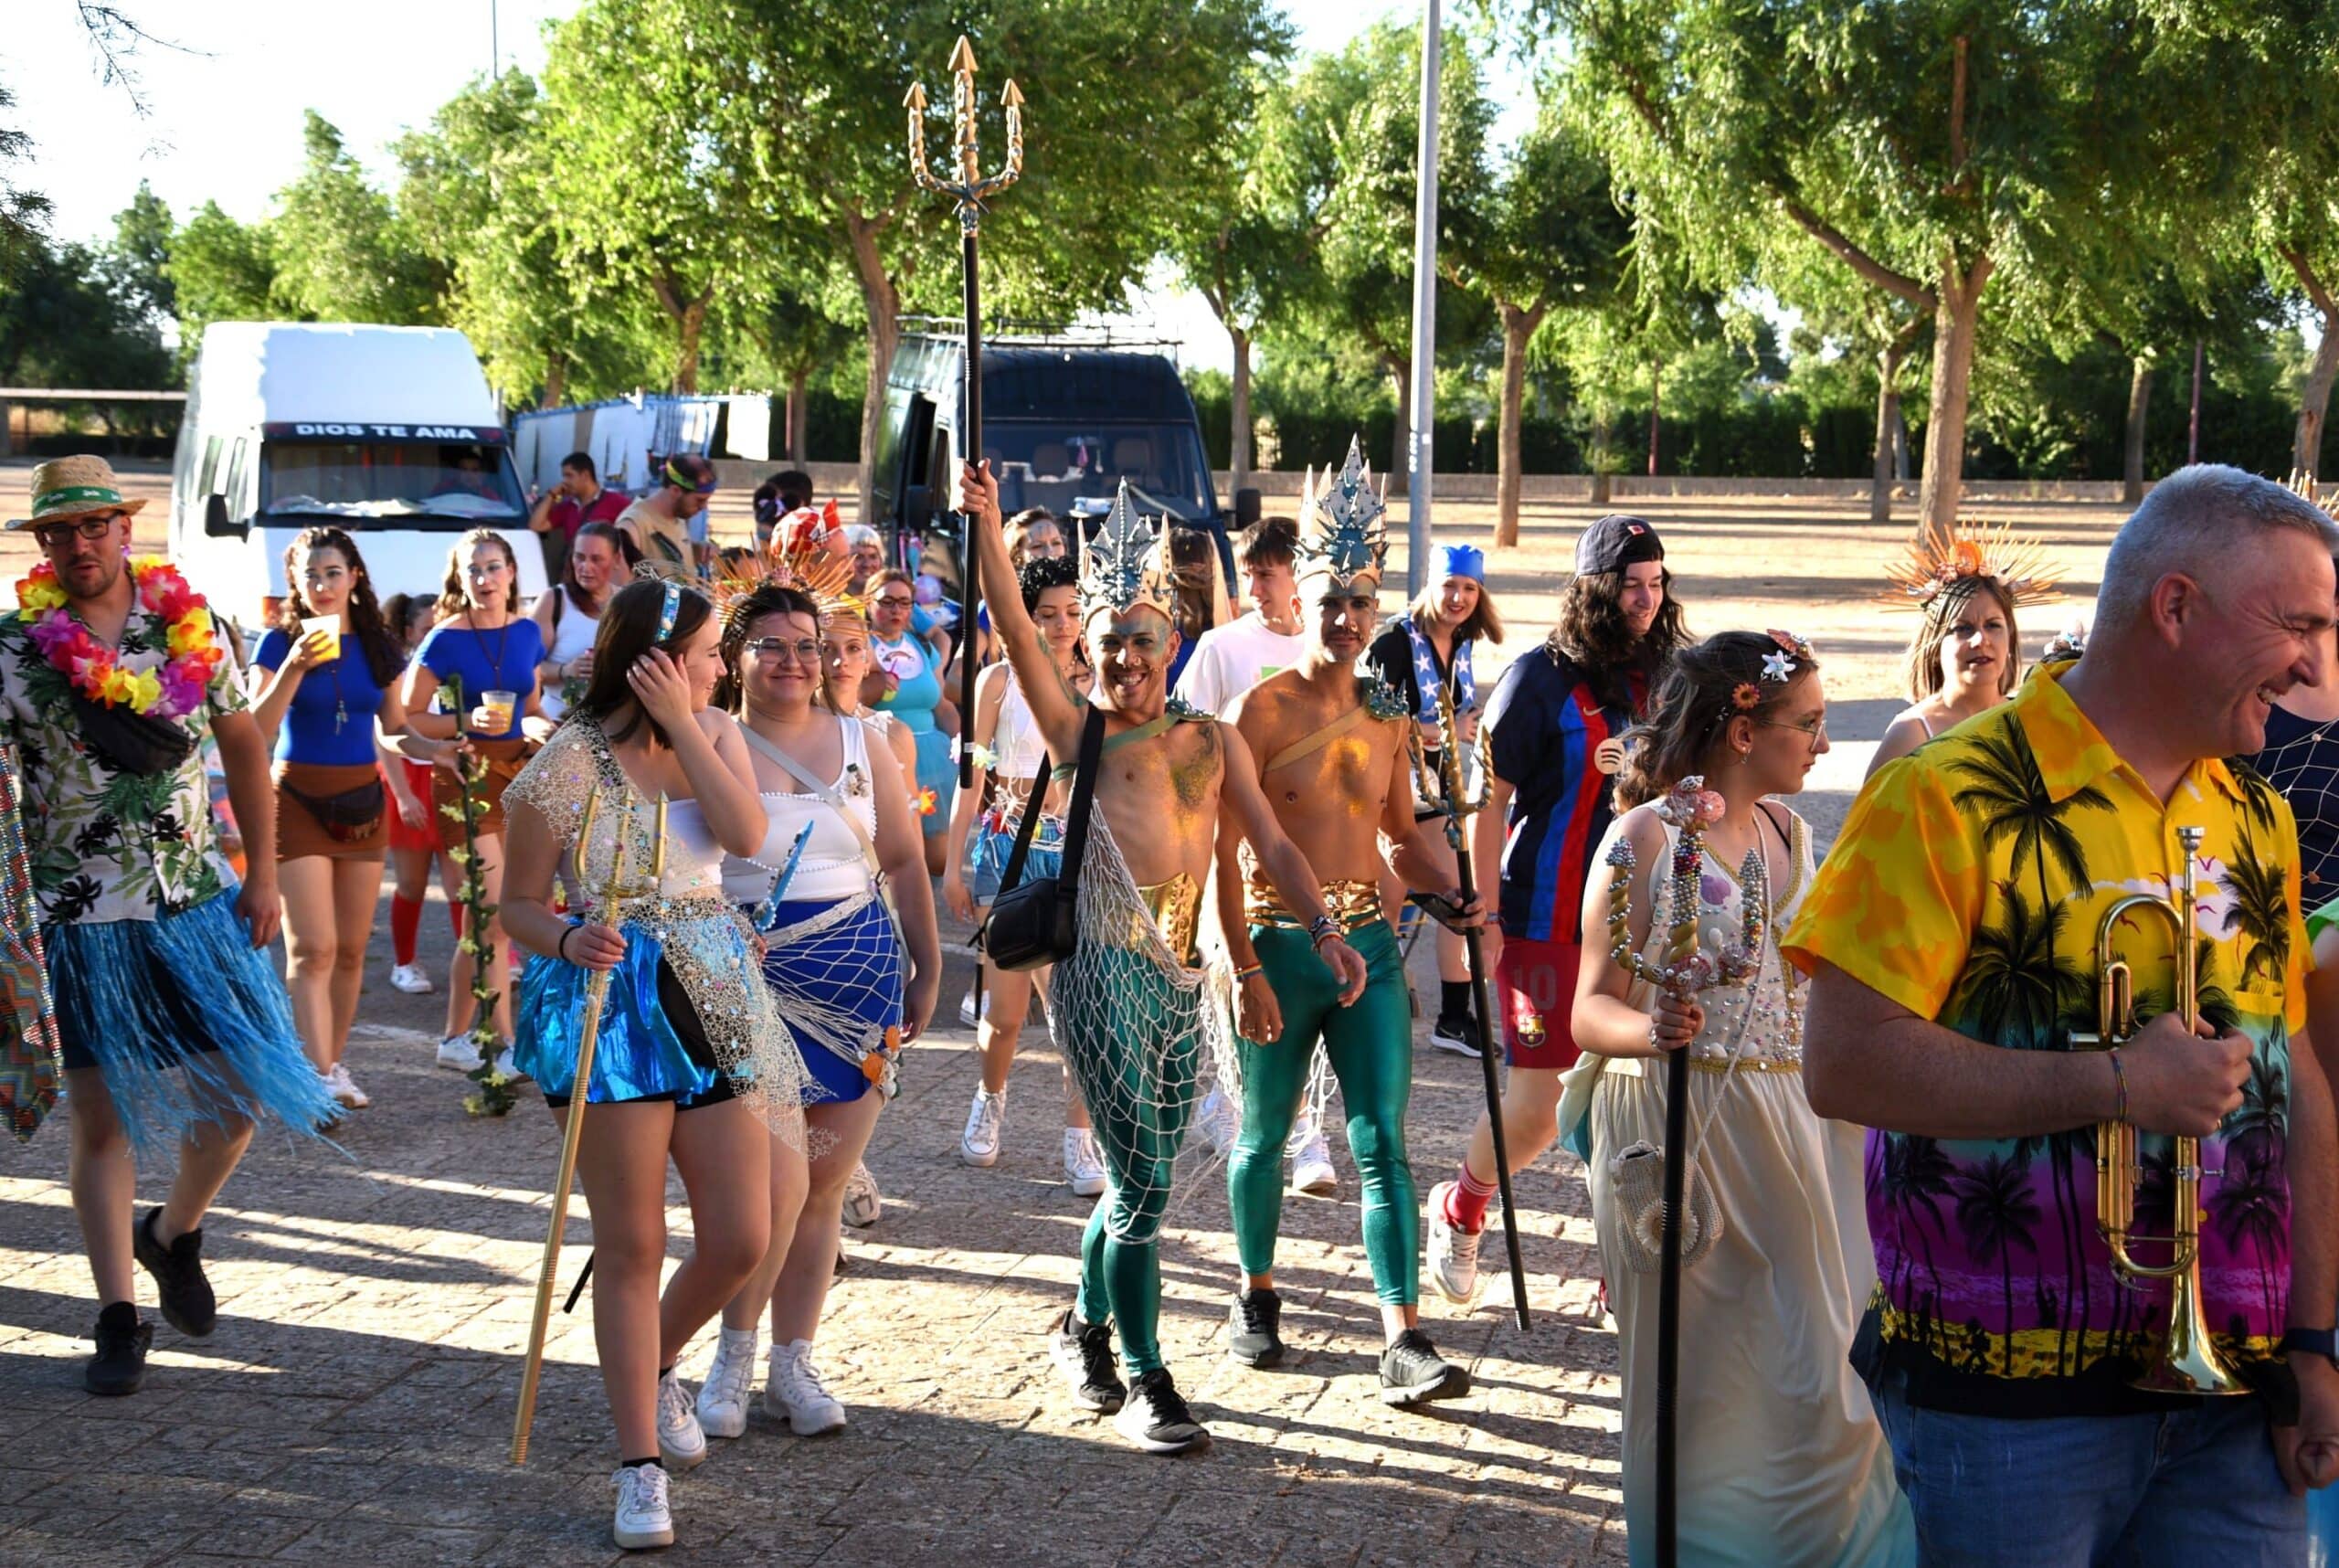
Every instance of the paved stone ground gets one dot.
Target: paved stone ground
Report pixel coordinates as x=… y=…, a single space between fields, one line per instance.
x=356 y=1402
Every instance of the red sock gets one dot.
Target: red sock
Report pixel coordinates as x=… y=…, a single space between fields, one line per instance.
x=406 y=925
x=1466 y=1200
x=455 y=919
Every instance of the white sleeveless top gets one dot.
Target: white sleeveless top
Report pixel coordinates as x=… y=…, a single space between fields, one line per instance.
x=695 y=861
x=832 y=866
x=571 y=636
x=1016 y=738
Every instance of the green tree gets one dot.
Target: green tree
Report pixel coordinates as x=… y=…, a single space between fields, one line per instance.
x=342 y=253
x=1927 y=146
x=1124 y=99
x=141 y=252
x=1547 y=235
x=220 y=270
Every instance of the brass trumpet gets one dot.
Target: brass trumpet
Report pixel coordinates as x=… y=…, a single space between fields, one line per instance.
x=2188 y=1361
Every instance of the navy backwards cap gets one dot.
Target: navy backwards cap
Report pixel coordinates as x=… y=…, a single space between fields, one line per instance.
x=1616 y=542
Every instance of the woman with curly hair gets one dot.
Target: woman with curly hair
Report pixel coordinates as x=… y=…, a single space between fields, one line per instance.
x=325 y=696
x=1551 y=739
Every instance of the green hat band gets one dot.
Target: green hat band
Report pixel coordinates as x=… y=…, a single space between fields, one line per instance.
x=75 y=495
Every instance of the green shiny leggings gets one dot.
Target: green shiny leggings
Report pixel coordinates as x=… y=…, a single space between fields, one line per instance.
x=1134 y=1041
x=1371 y=1045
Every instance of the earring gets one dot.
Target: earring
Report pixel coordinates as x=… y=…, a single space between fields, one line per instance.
x=1739 y=757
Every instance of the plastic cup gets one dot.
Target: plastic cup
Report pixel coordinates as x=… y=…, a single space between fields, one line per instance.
x=325 y=626
x=500 y=706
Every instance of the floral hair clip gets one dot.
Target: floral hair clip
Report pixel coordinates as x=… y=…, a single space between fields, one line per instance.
x=1746 y=696
x=1781 y=664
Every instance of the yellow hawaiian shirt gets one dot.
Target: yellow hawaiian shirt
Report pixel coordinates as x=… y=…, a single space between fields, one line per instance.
x=1967 y=885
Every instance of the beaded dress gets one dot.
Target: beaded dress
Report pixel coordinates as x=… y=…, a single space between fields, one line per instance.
x=1780 y=1462
x=685 y=942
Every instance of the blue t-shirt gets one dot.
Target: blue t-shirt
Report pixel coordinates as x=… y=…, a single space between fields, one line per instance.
x=330 y=719
x=502 y=660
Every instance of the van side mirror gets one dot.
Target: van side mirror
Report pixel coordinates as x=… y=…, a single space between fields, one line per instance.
x=215 y=520
x=1246 y=507
x=917 y=507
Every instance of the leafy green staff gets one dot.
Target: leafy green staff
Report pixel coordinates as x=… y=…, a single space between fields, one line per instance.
x=493 y=1096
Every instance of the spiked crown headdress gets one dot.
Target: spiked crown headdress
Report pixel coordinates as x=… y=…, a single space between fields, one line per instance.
x=1343 y=522
x=1127 y=564
x=1962 y=551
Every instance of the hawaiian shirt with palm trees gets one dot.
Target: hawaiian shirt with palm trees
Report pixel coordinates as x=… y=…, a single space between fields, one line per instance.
x=108 y=845
x=1967 y=885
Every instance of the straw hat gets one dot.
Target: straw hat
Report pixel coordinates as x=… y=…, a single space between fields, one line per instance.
x=69 y=487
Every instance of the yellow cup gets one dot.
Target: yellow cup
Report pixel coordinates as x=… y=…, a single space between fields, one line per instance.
x=500 y=706
x=327 y=626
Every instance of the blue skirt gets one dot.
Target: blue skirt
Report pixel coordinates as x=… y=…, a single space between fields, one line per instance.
x=651 y=1045
x=186 y=1022
x=837 y=987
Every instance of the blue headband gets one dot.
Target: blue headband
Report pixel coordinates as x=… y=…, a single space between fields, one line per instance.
x=671 y=609
x=1465 y=561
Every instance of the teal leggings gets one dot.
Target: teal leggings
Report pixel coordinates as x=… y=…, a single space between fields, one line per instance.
x=1134 y=1041
x=1370 y=1044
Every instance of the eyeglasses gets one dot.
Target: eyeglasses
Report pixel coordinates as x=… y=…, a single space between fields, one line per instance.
x=1815 y=727
x=52 y=535
x=777 y=651
x=894 y=601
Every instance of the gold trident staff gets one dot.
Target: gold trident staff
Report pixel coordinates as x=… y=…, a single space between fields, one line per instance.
x=1461 y=803
x=968 y=193
x=597 y=990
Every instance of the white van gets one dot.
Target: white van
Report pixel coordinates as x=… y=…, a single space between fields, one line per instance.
x=389 y=432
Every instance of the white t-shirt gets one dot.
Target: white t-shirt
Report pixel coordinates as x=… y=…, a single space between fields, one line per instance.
x=1231 y=659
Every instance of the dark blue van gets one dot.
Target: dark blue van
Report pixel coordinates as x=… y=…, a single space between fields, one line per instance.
x=1065 y=419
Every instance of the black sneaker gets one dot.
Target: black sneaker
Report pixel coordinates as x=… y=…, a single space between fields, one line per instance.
x=1083 y=1354
x=1251 y=1329
x=120 y=1365
x=188 y=1305
x=1156 y=1418
x=1411 y=1371
x=1459 y=1035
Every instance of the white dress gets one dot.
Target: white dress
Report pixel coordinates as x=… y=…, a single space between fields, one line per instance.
x=1782 y=1464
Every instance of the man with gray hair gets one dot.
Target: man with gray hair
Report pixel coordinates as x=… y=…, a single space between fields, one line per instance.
x=1952 y=942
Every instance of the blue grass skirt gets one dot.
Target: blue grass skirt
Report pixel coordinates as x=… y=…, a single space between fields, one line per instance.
x=988 y=859
x=186 y=1021
x=838 y=989
x=639 y=1053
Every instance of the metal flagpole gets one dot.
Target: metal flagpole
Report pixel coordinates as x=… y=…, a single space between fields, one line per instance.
x=967 y=194
x=1419 y=458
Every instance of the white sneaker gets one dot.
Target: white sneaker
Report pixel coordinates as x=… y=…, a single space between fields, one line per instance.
x=342 y=1088
x=457 y=1054
x=1311 y=1168
x=409 y=979
x=1084 y=1163
x=643 y=1520
x=967 y=1014
x=682 y=1441
x=1453 y=1253
x=1216 y=1120
x=730 y=1378
x=863 y=1204
x=985 y=1121
x=795 y=1393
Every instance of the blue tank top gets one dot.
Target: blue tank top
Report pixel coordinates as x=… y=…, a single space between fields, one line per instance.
x=330 y=720
x=914 y=699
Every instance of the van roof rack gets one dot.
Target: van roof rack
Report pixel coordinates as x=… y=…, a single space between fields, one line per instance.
x=1020 y=332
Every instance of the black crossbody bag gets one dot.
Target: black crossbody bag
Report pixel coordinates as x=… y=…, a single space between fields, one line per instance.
x=1036 y=923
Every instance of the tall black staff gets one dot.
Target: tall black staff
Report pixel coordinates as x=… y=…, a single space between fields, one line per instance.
x=968 y=193
x=1461 y=803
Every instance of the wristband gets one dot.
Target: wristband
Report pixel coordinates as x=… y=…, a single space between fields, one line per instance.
x=2120 y=1083
x=560 y=948
x=2312 y=1341
x=1243 y=974
x=1321 y=927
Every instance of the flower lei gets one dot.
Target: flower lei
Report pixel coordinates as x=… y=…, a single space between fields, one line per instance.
x=174 y=691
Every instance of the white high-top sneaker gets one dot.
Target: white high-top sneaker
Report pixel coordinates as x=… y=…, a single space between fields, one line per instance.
x=985 y=1124
x=730 y=1380
x=795 y=1393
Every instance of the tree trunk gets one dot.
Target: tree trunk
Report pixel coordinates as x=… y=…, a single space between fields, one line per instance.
x=1238 y=444
x=1889 y=426
x=1655 y=377
x=1402 y=371
x=2140 y=396
x=797 y=418
x=1955 y=319
x=2315 y=401
x=883 y=302
x=1518 y=326
x=556 y=379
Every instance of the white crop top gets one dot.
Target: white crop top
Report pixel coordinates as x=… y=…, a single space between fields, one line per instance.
x=1019 y=745
x=832 y=865
x=693 y=860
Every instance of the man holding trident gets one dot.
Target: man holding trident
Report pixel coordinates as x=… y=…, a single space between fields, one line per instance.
x=1336 y=768
x=1129 y=1004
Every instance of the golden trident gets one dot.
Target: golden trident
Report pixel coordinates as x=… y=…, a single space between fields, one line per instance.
x=967 y=194
x=970 y=189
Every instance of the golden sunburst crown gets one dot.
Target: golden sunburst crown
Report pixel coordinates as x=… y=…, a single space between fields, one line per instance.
x=1946 y=556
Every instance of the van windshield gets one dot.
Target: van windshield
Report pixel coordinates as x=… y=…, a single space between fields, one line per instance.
x=458 y=483
x=1045 y=464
